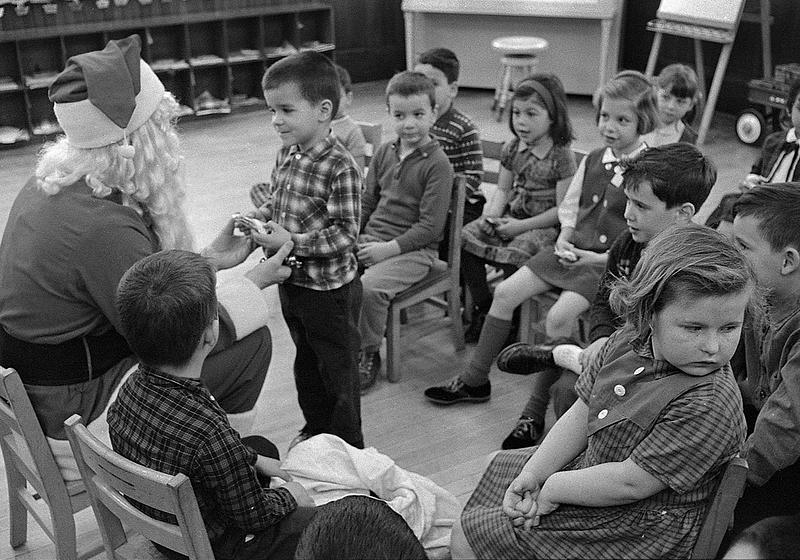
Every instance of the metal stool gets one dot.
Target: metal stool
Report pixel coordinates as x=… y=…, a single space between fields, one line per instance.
x=519 y=54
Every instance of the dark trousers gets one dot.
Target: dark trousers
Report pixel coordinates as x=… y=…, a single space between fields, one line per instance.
x=324 y=328
x=473 y=274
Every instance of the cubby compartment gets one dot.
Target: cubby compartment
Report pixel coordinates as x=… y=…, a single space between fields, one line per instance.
x=42 y=118
x=179 y=83
x=207 y=44
x=245 y=80
x=166 y=47
x=210 y=88
x=41 y=61
x=9 y=68
x=313 y=30
x=77 y=44
x=211 y=54
x=279 y=35
x=245 y=38
x=13 y=118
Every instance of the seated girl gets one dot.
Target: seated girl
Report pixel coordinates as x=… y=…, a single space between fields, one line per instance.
x=629 y=470
x=535 y=170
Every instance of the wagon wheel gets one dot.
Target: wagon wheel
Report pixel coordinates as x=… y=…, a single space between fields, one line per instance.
x=751 y=126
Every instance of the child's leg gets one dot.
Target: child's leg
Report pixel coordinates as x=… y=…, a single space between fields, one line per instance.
x=508 y=295
x=382 y=282
x=324 y=327
x=473 y=271
x=561 y=318
x=559 y=322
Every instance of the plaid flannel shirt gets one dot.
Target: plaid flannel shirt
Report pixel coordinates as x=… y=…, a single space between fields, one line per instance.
x=316 y=196
x=173 y=424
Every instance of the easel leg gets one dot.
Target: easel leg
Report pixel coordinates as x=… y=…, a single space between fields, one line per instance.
x=651 y=60
x=713 y=93
x=699 y=66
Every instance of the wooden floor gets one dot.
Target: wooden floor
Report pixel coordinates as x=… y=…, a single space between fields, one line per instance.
x=224 y=157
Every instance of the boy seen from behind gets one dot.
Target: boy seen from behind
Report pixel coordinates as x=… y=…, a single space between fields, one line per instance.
x=766 y=229
x=664 y=186
x=165 y=418
x=405 y=204
x=315 y=193
x=455 y=131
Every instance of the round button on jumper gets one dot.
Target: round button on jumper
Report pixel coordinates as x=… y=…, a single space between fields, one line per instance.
x=602 y=414
x=619 y=390
x=638 y=370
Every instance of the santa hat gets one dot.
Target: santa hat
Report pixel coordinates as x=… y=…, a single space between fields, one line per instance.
x=102 y=96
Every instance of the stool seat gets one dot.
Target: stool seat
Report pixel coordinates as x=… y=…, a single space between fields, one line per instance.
x=520 y=45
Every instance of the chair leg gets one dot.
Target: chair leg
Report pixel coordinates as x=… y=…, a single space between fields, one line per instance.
x=393 y=345
x=454 y=309
x=18 y=515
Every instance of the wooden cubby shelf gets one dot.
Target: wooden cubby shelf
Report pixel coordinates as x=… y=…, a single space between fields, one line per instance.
x=210 y=54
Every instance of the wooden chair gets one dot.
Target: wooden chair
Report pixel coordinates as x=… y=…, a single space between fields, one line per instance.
x=373 y=134
x=441 y=280
x=719 y=517
x=111 y=478
x=35 y=483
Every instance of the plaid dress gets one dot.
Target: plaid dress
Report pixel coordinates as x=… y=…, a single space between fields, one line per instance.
x=532 y=192
x=678 y=428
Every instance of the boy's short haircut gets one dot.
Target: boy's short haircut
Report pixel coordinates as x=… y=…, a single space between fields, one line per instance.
x=408 y=83
x=165 y=301
x=774 y=206
x=677 y=173
x=312 y=72
x=344 y=78
x=358 y=527
x=443 y=60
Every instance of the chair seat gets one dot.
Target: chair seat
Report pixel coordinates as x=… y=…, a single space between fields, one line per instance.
x=435 y=275
x=520 y=45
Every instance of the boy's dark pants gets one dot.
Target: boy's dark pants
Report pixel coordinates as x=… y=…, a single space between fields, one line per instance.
x=324 y=328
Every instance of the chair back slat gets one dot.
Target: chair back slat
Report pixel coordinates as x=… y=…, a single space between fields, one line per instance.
x=456 y=218
x=24 y=440
x=112 y=480
x=719 y=516
x=492 y=151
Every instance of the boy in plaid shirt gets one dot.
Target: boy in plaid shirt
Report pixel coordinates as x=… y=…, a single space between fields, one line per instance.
x=315 y=193
x=166 y=419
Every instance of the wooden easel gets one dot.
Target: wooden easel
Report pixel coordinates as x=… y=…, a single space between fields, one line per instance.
x=700 y=21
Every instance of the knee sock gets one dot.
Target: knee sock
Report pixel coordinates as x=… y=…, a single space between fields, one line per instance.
x=492 y=340
x=536 y=407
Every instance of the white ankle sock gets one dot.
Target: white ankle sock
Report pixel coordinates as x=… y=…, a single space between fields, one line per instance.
x=568 y=356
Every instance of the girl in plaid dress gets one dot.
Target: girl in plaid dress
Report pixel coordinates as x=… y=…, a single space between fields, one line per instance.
x=535 y=171
x=629 y=470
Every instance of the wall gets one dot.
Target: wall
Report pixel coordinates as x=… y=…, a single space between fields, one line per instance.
x=370 y=38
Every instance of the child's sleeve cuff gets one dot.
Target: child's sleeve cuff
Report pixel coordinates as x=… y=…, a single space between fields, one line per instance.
x=245 y=304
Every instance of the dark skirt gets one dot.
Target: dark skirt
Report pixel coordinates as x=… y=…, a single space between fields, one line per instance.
x=581 y=279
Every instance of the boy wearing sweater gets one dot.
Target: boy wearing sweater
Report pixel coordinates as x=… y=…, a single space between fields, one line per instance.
x=404 y=207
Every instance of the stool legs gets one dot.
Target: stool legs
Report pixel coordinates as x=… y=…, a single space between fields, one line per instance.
x=507 y=82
